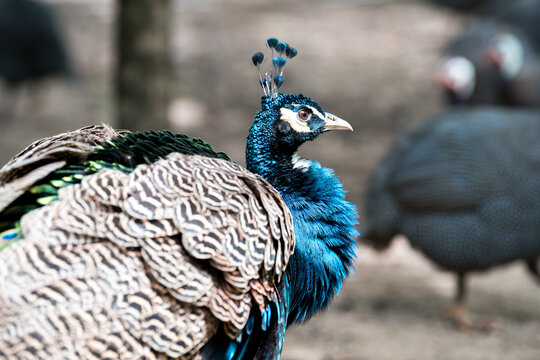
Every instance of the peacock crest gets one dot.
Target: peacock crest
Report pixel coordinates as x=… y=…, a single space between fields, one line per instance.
x=273 y=77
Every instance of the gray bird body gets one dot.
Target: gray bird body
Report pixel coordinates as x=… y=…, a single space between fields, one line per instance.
x=463 y=187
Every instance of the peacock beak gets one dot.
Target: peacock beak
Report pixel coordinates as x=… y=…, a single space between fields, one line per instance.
x=332 y=122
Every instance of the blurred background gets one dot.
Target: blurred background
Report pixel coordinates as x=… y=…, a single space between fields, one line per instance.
x=371 y=62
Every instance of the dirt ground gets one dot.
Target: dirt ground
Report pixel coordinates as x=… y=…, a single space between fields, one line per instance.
x=370 y=62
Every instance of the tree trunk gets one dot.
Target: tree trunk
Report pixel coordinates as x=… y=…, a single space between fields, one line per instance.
x=143 y=69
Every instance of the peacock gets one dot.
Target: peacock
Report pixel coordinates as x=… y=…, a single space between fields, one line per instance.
x=152 y=244
x=463 y=188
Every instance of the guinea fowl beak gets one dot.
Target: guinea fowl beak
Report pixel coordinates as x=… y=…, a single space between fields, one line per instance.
x=332 y=122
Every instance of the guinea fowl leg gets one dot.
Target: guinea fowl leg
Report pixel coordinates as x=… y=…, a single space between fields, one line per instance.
x=457 y=314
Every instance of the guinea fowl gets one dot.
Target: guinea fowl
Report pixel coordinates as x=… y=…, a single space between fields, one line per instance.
x=152 y=245
x=466 y=73
x=521 y=14
x=463 y=188
x=30 y=44
x=490 y=64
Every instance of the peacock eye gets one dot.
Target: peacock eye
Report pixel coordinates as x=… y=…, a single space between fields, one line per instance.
x=304 y=115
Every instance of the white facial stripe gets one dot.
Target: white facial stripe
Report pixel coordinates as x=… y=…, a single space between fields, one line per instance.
x=290 y=116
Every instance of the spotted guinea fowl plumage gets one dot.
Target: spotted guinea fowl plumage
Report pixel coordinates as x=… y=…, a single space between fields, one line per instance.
x=153 y=245
x=463 y=188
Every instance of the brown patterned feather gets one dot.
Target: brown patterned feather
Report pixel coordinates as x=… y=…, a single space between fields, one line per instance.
x=143 y=265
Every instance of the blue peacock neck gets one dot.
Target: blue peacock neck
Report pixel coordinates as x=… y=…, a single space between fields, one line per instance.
x=323 y=221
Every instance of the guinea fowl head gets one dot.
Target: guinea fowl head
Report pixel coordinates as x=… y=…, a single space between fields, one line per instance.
x=457 y=75
x=324 y=223
x=507 y=52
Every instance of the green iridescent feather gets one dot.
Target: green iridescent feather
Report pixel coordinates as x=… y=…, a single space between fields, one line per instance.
x=122 y=153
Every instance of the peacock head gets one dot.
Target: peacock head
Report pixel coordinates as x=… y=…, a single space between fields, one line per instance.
x=286 y=121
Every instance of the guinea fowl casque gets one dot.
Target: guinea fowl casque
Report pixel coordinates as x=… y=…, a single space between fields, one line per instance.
x=153 y=245
x=463 y=188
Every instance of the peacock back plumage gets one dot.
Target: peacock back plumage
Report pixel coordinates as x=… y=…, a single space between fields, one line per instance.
x=123 y=152
x=81 y=221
